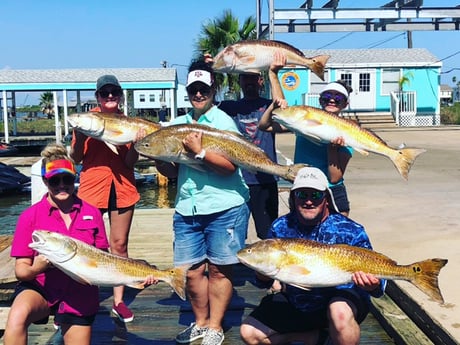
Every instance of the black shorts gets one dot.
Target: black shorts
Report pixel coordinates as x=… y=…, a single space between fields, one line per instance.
x=59 y=318
x=340 y=197
x=276 y=312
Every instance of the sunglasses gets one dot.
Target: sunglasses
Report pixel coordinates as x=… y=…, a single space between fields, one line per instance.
x=338 y=98
x=203 y=90
x=106 y=93
x=313 y=196
x=56 y=181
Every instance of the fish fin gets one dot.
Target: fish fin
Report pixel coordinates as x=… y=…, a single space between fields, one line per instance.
x=301 y=287
x=319 y=62
x=112 y=147
x=363 y=152
x=404 y=158
x=426 y=277
x=139 y=286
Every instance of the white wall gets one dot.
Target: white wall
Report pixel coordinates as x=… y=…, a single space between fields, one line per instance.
x=152 y=99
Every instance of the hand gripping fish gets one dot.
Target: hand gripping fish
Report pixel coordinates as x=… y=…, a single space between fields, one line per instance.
x=113 y=129
x=90 y=265
x=307 y=264
x=166 y=144
x=322 y=126
x=254 y=56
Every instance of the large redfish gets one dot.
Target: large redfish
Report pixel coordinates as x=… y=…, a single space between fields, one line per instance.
x=307 y=264
x=166 y=144
x=254 y=56
x=114 y=129
x=322 y=126
x=90 y=265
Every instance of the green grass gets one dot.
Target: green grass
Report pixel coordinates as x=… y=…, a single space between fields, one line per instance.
x=450 y=115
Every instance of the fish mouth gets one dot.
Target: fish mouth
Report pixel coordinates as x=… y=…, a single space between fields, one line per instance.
x=37 y=240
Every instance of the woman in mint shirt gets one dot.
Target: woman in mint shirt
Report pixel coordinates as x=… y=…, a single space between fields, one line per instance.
x=211 y=218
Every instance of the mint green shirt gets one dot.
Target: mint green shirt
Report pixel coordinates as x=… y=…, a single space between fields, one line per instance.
x=200 y=193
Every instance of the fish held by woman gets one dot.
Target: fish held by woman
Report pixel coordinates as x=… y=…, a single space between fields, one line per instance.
x=114 y=129
x=322 y=126
x=89 y=265
x=254 y=56
x=307 y=264
x=166 y=144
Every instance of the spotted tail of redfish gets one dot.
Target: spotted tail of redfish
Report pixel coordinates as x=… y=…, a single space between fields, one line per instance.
x=293 y=170
x=404 y=159
x=426 y=277
x=318 y=65
x=178 y=280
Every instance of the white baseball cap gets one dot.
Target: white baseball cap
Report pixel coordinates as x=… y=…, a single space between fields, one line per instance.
x=336 y=87
x=310 y=177
x=199 y=75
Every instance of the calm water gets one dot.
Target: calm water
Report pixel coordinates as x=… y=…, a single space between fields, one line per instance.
x=152 y=196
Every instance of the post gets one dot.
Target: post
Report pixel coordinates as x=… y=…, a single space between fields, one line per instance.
x=57 y=124
x=5 y=115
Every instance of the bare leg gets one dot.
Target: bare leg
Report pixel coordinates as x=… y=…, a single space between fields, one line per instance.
x=220 y=293
x=120 y=225
x=197 y=288
x=343 y=328
x=76 y=335
x=29 y=306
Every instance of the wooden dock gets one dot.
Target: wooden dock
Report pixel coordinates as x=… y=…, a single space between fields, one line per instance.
x=160 y=314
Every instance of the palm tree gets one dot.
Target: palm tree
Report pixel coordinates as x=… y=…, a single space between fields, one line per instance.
x=219 y=33
x=46 y=104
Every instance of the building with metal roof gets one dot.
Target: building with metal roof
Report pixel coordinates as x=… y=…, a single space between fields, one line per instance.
x=64 y=80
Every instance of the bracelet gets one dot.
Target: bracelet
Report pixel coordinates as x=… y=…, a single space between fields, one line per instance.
x=200 y=156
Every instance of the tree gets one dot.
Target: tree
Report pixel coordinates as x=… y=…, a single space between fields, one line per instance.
x=219 y=33
x=46 y=104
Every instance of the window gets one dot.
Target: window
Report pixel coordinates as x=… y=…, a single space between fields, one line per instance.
x=364 y=82
x=142 y=97
x=390 y=80
x=347 y=78
x=152 y=97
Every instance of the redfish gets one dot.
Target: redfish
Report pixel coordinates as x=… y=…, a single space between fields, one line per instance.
x=322 y=126
x=254 y=56
x=90 y=265
x=307 y=264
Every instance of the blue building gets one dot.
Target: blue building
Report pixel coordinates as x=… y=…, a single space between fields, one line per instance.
x=402 y=82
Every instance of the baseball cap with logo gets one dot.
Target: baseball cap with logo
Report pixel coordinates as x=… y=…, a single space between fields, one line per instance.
x=199 y=75
x=310 y=177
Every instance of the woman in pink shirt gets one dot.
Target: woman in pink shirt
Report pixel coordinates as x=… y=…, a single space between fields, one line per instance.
x=43 y=289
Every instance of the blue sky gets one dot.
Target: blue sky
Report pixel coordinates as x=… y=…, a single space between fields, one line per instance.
x=50 y=34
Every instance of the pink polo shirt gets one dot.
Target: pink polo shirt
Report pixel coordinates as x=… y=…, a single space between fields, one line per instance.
x=88 y=226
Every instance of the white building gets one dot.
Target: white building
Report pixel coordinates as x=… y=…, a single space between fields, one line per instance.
x=155 y=99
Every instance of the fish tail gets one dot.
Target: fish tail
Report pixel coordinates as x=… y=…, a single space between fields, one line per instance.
x=426 y=277
x=404 y=158
x=178 y=281
x=318 y=64
x=293 y=170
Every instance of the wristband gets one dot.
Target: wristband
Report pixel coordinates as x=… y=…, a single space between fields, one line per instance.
x=200 y=156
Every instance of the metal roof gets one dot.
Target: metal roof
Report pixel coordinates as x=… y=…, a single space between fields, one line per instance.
x=384 y=57
x=85 y=79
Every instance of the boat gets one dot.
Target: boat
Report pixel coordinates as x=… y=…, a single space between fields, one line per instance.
x=7 y=149
x=12 y=180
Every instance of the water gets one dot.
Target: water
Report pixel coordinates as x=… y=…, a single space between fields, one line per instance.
x=152 y=196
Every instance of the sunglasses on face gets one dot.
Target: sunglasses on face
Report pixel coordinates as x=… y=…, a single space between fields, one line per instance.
x=338 y=98
x=106 y=93
x=56 y=181
x=313 y=196
x=203 y=90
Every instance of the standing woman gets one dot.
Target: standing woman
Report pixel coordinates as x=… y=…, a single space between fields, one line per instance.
x=42 y=288
x=107 y=180
x=211 y=217
x=331 y=158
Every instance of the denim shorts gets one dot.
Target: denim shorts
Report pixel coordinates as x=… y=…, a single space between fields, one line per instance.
x=216 y=237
